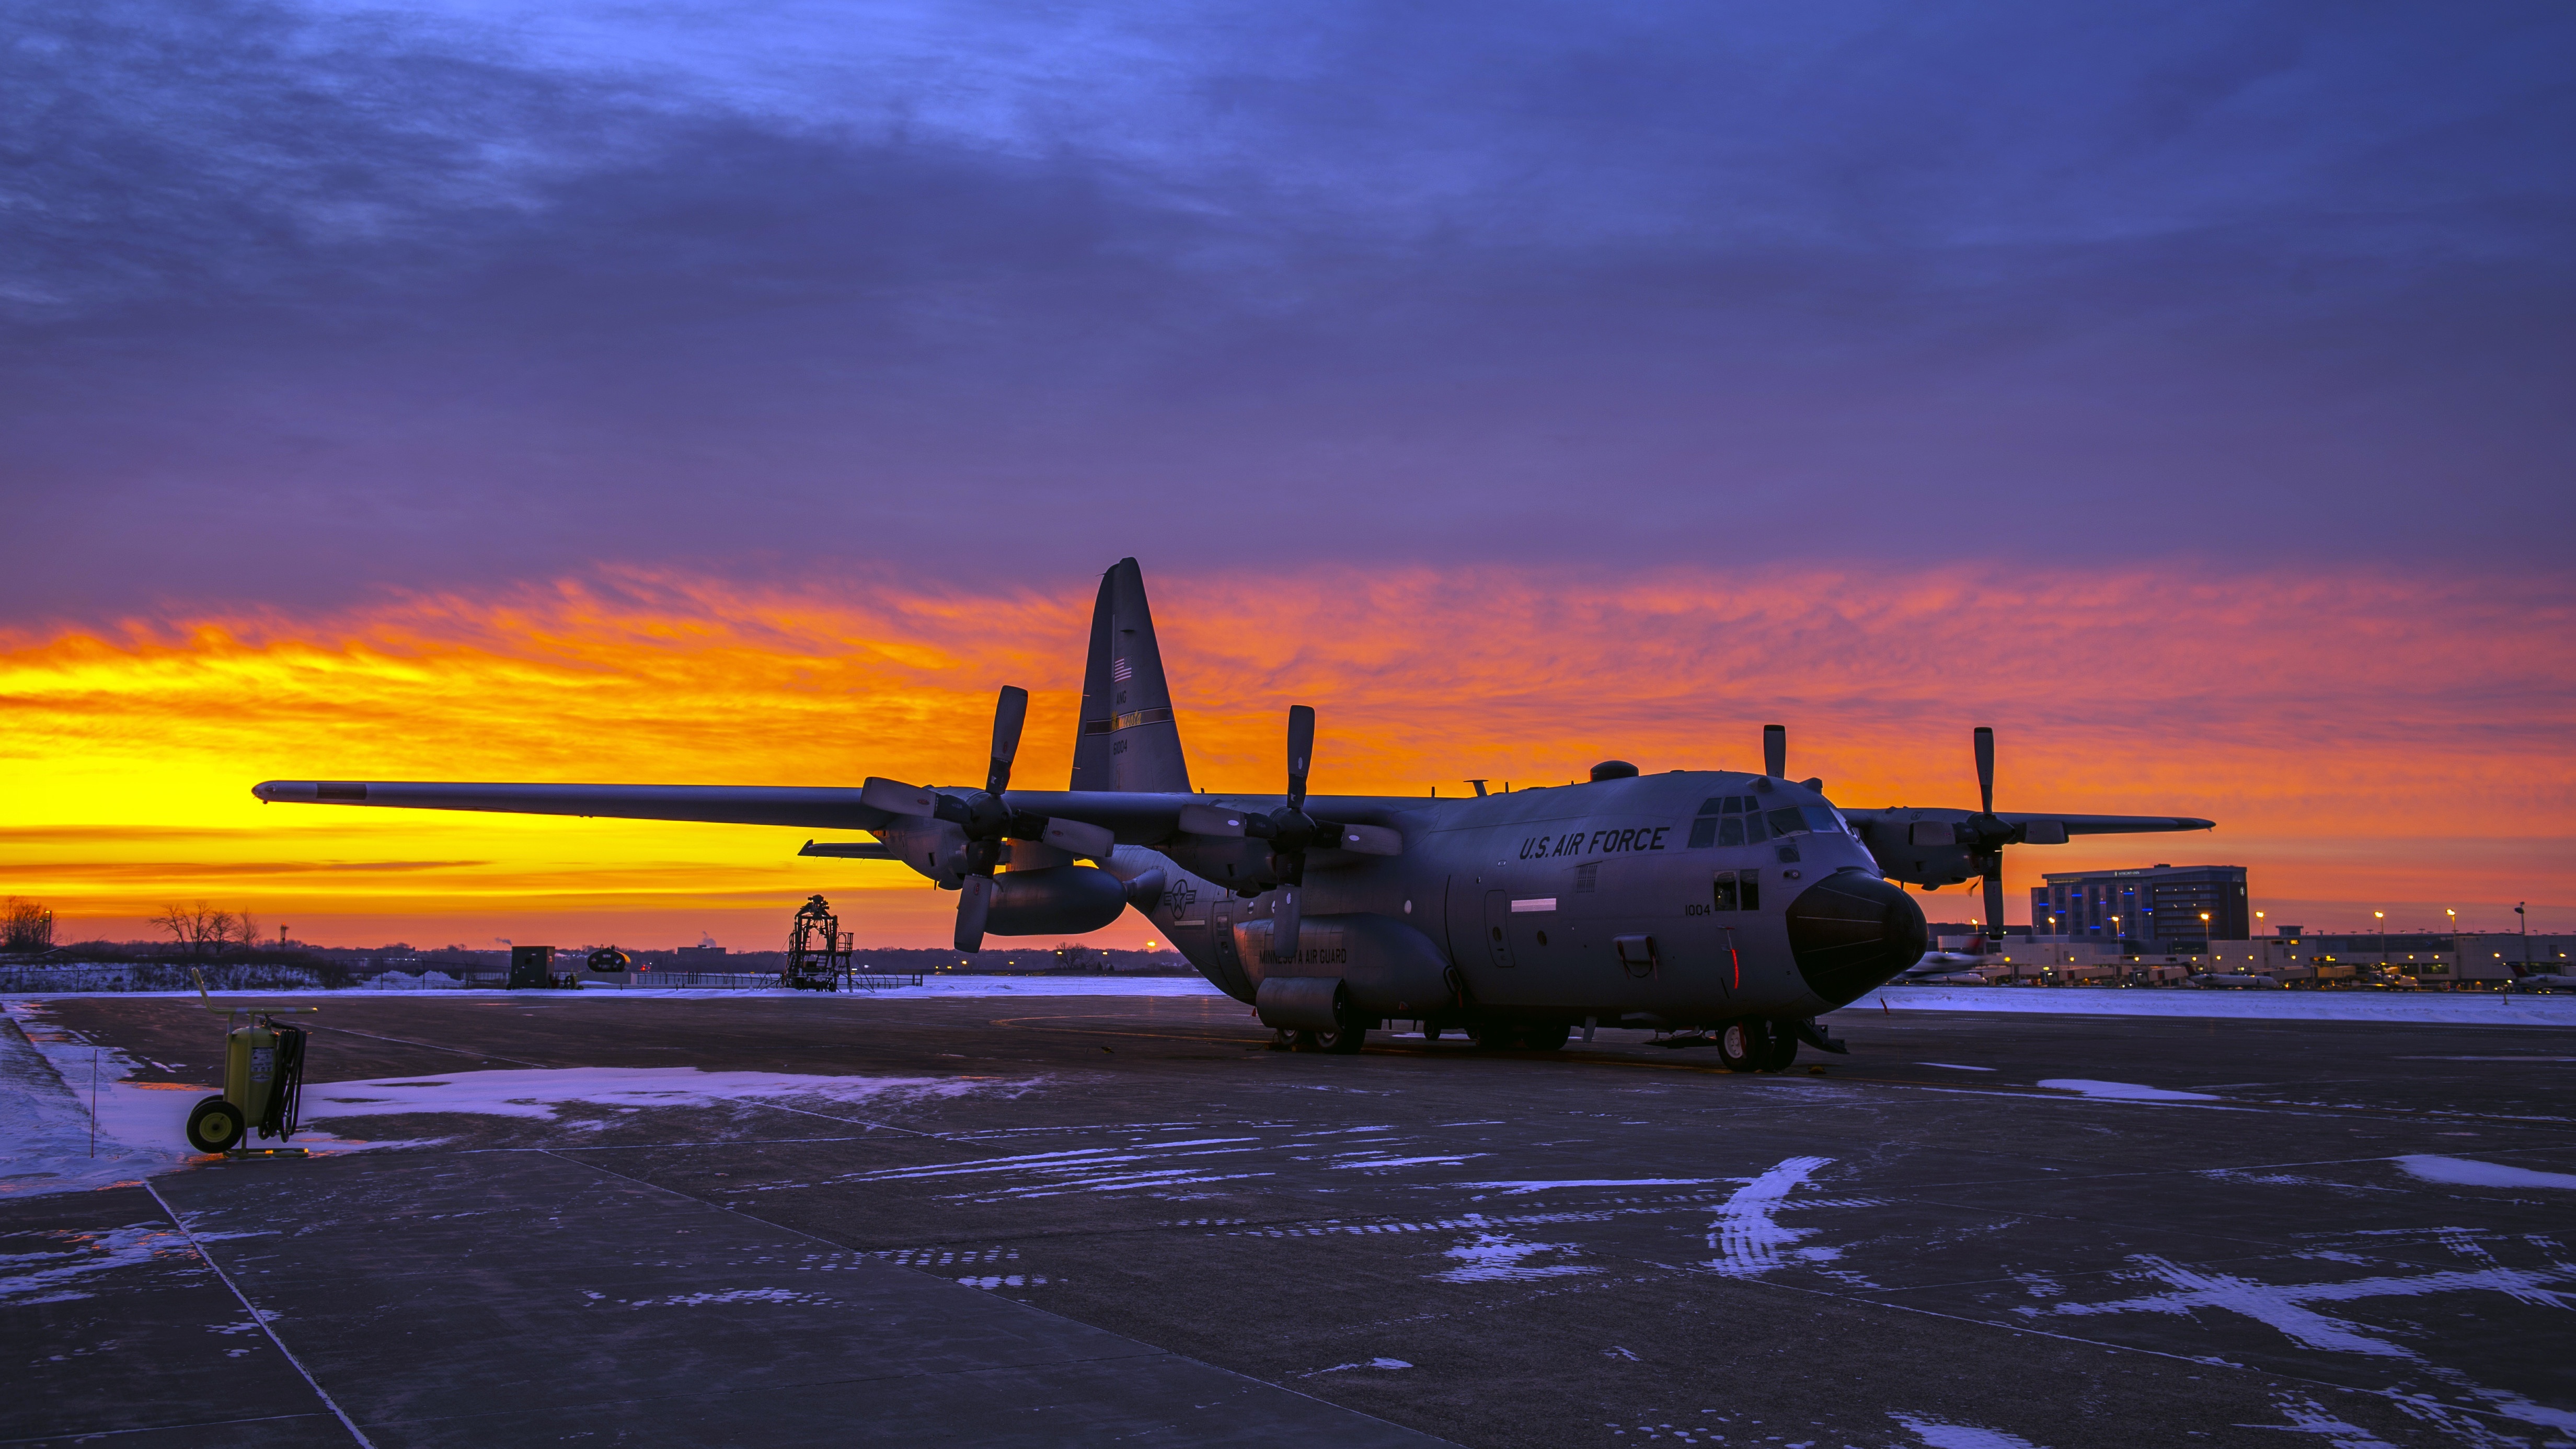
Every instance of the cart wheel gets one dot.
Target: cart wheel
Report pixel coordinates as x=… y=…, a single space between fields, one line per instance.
x=214 y=1126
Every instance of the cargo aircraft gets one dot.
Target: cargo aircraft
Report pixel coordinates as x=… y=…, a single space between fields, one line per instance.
x=1721 y=902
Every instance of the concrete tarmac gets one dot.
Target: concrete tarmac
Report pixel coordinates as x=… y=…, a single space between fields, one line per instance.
x=1046 y=1220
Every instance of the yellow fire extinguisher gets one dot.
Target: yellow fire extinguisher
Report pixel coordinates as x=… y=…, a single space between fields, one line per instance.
x=263 y=1077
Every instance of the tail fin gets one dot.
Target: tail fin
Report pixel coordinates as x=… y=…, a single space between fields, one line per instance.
x=1128 y=740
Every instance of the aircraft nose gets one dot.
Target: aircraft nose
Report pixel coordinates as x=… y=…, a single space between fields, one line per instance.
x=1851 y=931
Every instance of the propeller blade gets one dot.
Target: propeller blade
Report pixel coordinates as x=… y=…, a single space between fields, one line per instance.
x=1301 y=752
x=1009 y=713
x=1370 y=840
x=897 y=798
x=1075 y=837
x=1995 y=906
x=1283 y=924
x=1211 y=820
x=974 y=901
x=1986 y=767
x=1775 y=751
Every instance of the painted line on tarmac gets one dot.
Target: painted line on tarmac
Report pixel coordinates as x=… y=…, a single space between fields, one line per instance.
x=259 y=1317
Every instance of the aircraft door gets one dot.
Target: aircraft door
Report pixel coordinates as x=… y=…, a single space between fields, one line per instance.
x=1221 y=917
x=1498 y=916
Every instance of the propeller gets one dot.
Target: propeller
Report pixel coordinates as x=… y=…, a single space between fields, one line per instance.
x=1775 y=751
x=987 y=819
x=1291 y=832
x=1985 y=835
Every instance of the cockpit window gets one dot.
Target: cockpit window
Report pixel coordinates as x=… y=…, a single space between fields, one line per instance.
x=1787 y=821
x=1737 y=820
x=1822 y=817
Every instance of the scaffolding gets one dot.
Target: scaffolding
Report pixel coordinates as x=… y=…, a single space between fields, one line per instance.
x=818 y=950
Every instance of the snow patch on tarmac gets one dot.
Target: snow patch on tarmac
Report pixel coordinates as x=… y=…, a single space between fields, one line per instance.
x=1940 y=1434
x=2468 y=1172
x=2122 y=1091
x=2425 y=1007
x=536 y=1092
x=46 y=1143
x=1748 y=1239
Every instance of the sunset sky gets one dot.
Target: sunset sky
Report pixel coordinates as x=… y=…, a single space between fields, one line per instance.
x=740 y=394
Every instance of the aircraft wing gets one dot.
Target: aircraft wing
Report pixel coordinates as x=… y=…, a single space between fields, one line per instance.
x=1135 y=818
x=1902 y=816
x=2110 y=824
x=805 y=807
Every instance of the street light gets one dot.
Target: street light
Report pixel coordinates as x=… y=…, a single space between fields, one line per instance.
x=2383 y=938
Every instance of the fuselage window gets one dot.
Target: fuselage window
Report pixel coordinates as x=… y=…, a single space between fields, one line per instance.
x=1738 y=890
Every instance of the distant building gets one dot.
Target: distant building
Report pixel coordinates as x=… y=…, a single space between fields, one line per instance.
x=2158 y=907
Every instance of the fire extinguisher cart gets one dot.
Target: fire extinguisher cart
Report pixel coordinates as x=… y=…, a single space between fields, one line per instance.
x=263 y=1077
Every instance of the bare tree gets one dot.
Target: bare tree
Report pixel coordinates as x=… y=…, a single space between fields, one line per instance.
x=194 y=927
x=26 y=926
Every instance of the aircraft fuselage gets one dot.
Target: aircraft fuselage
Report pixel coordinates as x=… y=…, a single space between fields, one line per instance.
x=1681 y=899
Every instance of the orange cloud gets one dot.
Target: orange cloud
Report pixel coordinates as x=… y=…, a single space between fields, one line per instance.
x=2365 y=743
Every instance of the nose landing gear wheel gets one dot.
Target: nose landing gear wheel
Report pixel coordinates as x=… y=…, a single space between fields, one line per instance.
x=1740 y=1046
x=1783 y=1047
x=214 y=1125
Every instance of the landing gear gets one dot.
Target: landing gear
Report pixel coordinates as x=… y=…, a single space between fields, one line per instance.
x=1431 y=1031
x=1754 y=1045
x=1740 y=1045
x=1289 y=1039
x=1784 y=1048
x=214 y=1126
x=1344 y=1039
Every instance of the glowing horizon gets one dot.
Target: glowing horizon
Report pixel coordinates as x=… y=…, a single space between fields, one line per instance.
x=2289 y=708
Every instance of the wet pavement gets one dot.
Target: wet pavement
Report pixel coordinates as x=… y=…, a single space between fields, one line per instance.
x=1124 y=1220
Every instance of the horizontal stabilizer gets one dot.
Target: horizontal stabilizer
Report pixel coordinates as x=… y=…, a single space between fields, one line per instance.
x=850 y=849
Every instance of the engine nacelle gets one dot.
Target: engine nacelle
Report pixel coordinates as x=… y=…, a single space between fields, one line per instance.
x=936 y=848
x=1059 y=900
x=1918 y=847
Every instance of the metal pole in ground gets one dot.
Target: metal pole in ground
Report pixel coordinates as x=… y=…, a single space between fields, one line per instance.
x=93 y=1101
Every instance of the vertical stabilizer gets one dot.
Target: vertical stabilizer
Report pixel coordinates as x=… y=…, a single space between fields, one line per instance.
x=1128 y=740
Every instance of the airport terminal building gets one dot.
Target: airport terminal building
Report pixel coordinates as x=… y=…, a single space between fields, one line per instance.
x=2158 y=908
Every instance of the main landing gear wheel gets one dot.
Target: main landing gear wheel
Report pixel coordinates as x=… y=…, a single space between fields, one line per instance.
x=214 y=1126
x=1287 y=1039
x=1740 y=1045
x=1342 y=1040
